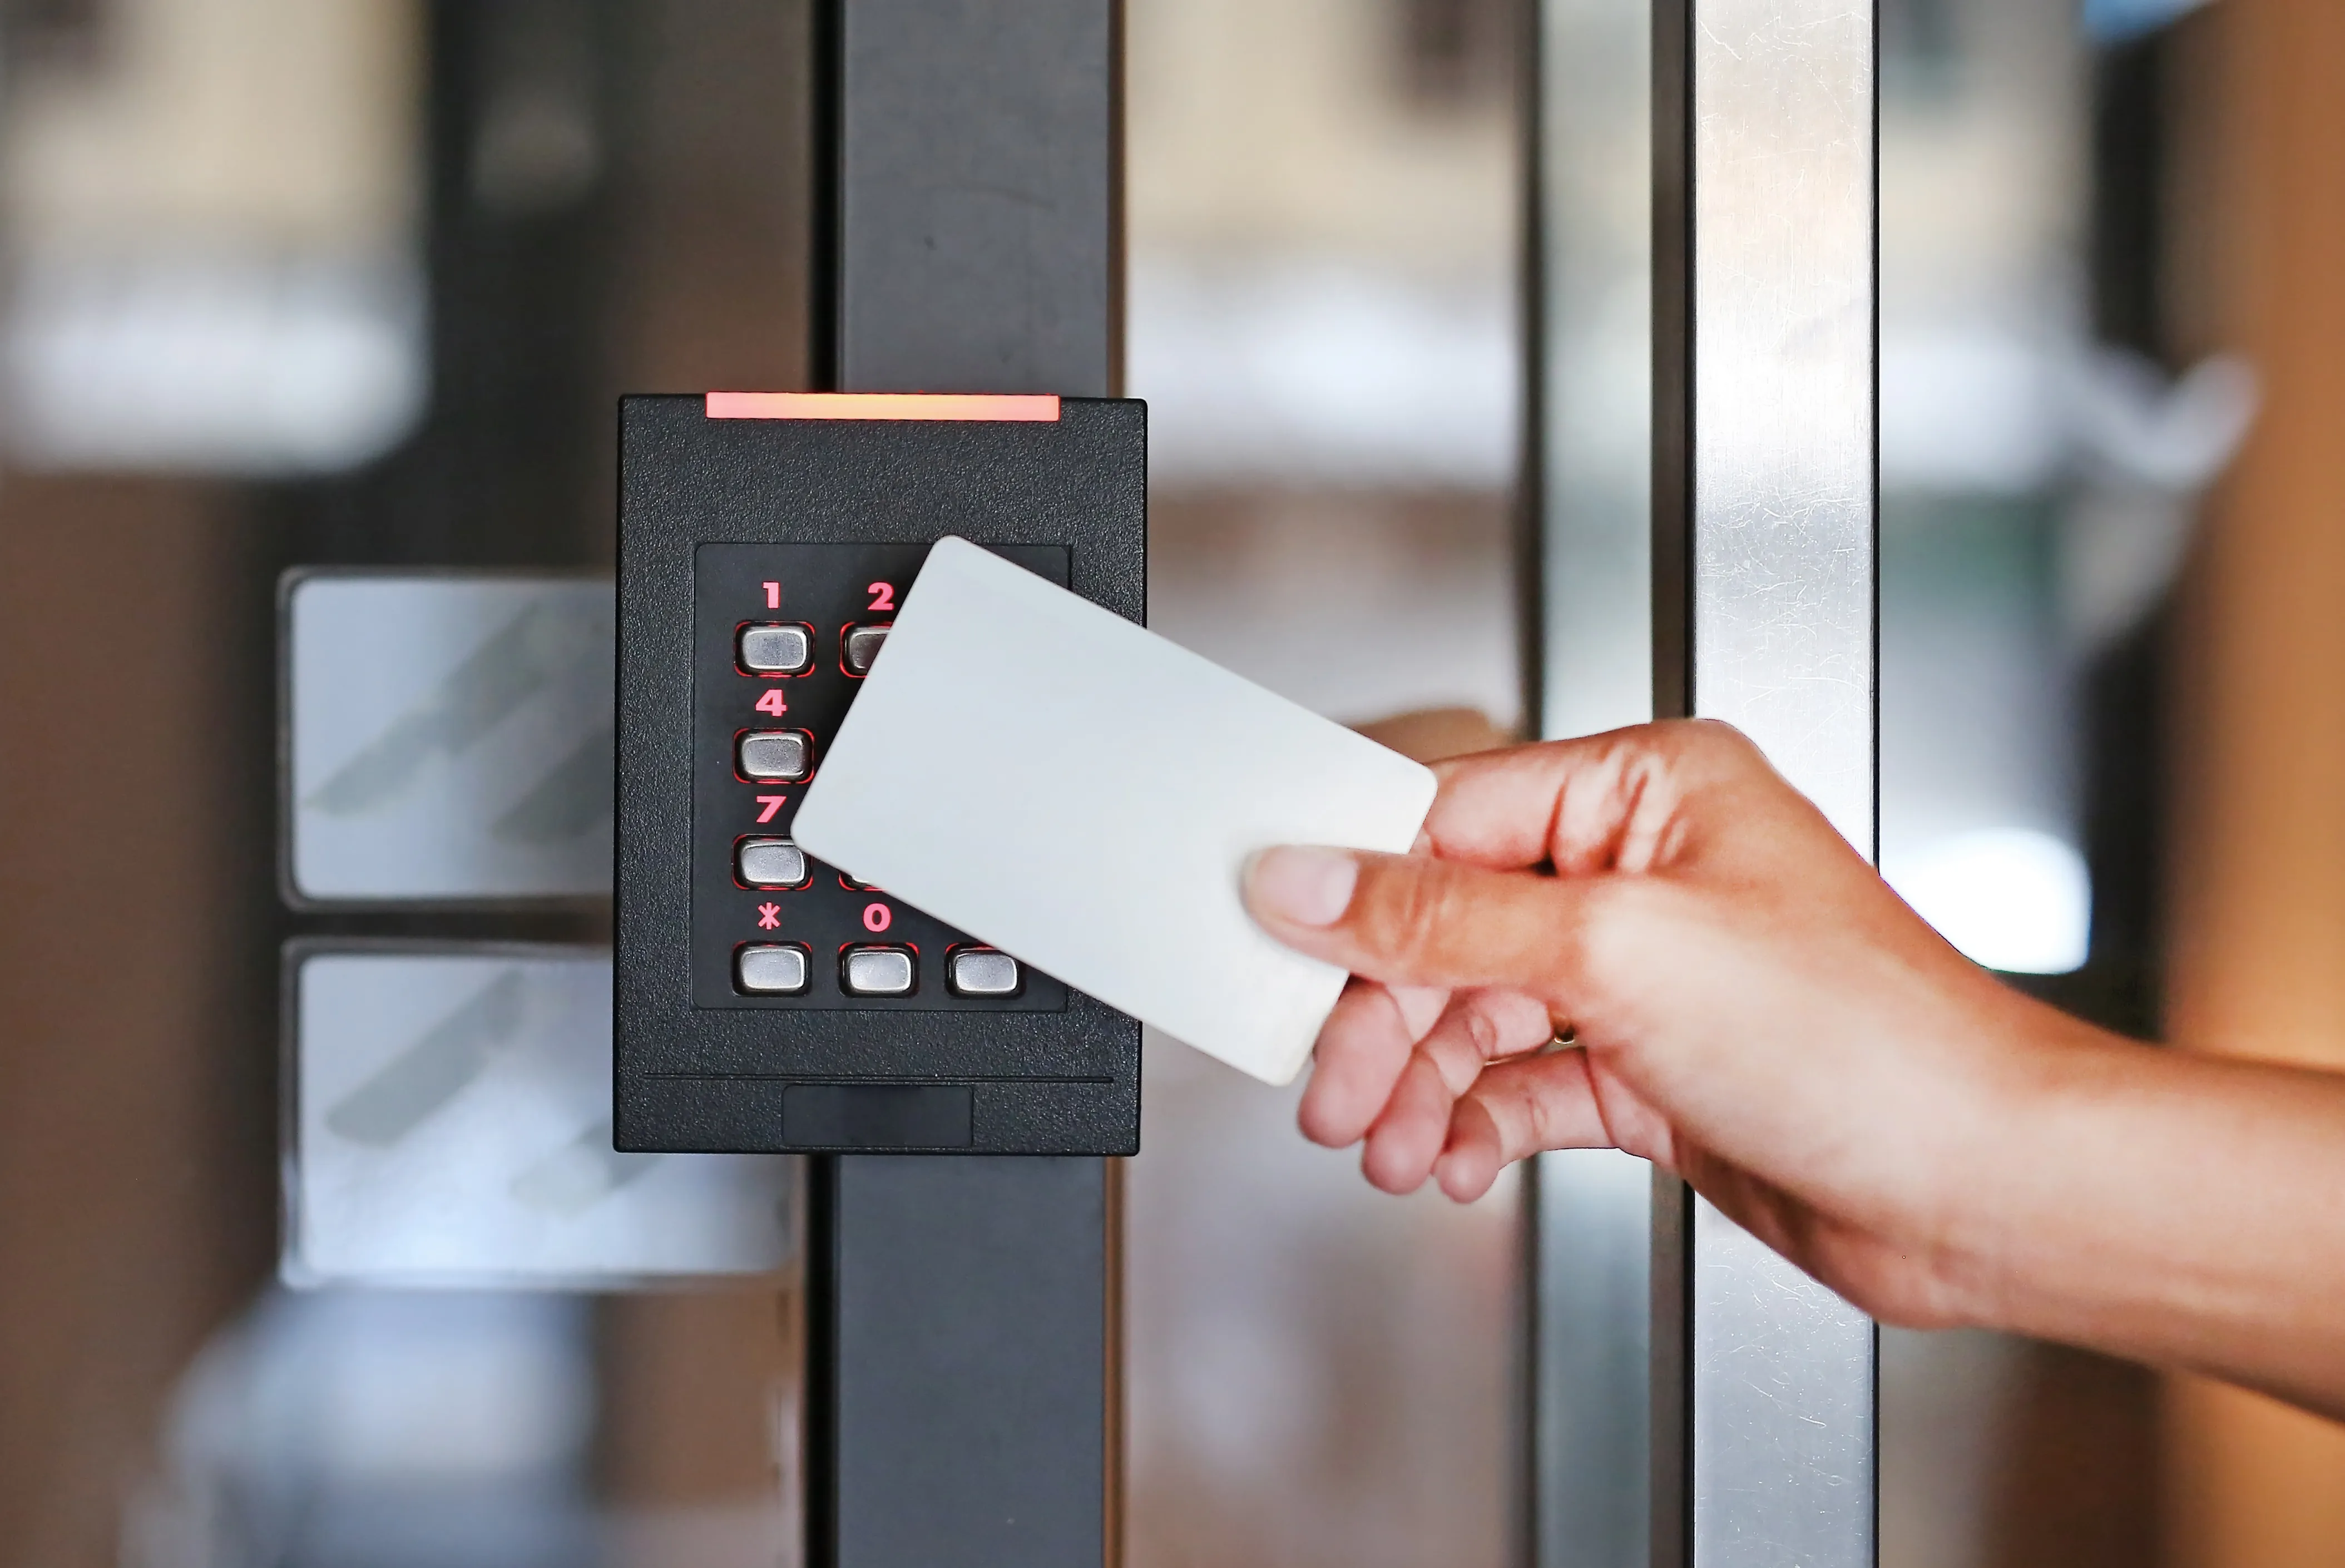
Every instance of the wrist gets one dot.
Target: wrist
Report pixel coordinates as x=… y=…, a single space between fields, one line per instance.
x=2004 y=1191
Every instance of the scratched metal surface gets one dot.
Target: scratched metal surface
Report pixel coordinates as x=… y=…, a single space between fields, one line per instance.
x=1784 y=1469
x=1783 y=218
x=1783 y=568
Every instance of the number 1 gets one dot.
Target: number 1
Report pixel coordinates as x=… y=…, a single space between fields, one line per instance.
x=772 y=595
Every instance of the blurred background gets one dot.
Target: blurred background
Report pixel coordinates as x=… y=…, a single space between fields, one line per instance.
x=356 y=285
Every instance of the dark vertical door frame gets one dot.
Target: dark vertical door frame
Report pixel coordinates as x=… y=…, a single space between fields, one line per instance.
x=963 y=1395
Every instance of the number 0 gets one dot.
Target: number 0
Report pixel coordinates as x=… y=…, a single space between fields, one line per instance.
x=883 y=596
x=876 y=917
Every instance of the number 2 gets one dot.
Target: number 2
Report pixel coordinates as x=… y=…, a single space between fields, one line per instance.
x=883 y=596
x=772 y=702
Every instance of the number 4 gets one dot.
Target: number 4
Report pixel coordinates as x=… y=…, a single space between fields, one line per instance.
x=773 y=703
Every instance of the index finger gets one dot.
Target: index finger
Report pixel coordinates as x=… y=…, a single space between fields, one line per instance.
x=1600 y=803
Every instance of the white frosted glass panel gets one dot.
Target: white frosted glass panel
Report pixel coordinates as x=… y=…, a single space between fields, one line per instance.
x=451 y=1124
x=449 y=737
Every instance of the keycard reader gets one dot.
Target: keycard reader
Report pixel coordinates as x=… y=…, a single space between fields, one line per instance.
x=765 y=1001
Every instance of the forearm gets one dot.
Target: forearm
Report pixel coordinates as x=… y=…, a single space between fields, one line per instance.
x=1758 y=1011
x=2182 y=1209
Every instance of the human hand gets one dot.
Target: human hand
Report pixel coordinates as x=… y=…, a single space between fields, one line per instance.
x=1754 y=1009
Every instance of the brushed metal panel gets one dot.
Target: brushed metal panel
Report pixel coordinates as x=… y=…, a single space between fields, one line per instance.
x=1764 y=548
x=1783 y=253
x=1590 y=1341
x=1782 y=1421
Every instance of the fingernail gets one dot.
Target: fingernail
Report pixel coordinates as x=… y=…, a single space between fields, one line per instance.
x=1306 y=886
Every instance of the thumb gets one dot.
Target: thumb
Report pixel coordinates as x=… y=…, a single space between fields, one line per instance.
x=1413 y=919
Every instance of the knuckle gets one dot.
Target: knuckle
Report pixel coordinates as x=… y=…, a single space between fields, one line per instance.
x=1717 y=744
x=1458 y=1050
x=1541 y=1127
x=1603 y=934
x=1414 y=908
x=1482 y=1030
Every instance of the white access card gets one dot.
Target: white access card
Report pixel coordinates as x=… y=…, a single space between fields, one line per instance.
x=1083 y=794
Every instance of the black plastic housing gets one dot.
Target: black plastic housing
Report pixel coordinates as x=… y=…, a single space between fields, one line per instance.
x=698 y=1066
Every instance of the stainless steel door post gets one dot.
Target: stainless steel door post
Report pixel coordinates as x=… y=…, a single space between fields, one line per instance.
x=1764 y=547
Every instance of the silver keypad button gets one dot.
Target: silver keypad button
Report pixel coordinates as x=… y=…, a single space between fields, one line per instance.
x=863 y=645
x=777 y=649
x=781 y=755
x=771 y=969
x=771 y=863
x=878 y=971
x=981 y=972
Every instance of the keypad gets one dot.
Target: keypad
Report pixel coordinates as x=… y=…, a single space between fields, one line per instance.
x=878 y=970
x=773 y=649
x=771 y=863
x=780 y=756
x=782 y=635
x=860 y=646
x=772 y=968
x=981 y=972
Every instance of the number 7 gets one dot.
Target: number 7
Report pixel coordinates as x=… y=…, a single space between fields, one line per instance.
x=772 y=803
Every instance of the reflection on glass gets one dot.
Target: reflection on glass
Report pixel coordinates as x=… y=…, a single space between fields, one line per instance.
x=409 y=1429
x=379 y=1428
x=195 y=286
x=1594 y=256
x=1590 y=1333
x=2036 y=483
x=2039 y=472
x=449 y=736
x=451 y=1124
x=1322 y=234
x=355 y=285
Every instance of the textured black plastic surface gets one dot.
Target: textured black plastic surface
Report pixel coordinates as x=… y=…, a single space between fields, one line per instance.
x=830 y=588
x=712 y=1074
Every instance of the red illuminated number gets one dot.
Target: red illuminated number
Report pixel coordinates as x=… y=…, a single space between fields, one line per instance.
x=876 y=918
x=772 y=803
x=772 y=595
x=772 y=702
x=883 y=596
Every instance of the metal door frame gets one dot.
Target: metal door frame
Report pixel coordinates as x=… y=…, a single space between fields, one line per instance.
x=963 y=1341
x=1761 y=1404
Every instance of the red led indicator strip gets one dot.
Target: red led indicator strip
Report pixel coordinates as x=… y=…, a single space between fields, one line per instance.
x=883 y=405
